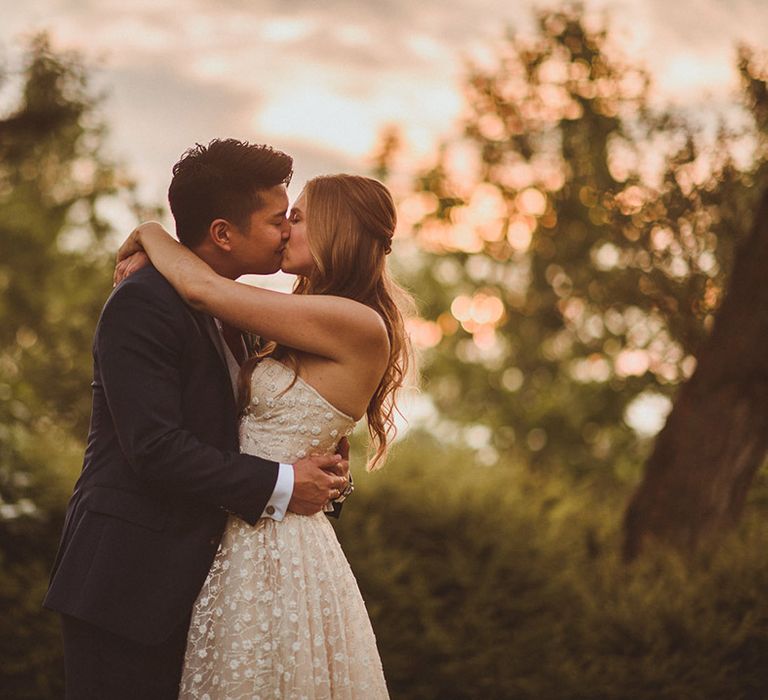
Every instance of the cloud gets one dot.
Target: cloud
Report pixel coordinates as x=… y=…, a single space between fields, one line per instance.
x=326 y=77
x=155 y=114
x=712 y=25
x=688 y=47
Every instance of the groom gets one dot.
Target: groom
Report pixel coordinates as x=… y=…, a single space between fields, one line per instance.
x=162 y=467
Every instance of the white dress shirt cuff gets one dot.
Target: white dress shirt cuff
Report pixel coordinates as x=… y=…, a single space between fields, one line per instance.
x=277 y=506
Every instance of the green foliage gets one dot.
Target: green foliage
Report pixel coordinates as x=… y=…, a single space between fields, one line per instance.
x=55 y=272
x=578 y=243
x=492 y=582
x=54 y=264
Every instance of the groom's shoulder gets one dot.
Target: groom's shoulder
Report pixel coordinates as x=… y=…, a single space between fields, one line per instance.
x=146 y=282
x=146 y=286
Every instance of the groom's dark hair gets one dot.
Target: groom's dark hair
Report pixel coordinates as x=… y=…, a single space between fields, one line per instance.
x=222 y=181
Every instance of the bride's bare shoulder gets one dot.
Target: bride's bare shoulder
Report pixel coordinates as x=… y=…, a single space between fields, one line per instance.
x=365 y=323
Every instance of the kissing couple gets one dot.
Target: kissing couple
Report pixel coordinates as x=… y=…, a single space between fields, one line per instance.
x=196 y=559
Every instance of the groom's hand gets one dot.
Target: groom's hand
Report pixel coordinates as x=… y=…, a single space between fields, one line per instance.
x=317 y=480
x=343 y=450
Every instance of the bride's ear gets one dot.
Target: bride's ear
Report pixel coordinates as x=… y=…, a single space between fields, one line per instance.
x=220 y=233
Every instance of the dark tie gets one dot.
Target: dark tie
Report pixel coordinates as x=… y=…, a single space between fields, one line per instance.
x=234 y=339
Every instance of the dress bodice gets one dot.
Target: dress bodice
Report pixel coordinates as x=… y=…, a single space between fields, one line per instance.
x=286 y=419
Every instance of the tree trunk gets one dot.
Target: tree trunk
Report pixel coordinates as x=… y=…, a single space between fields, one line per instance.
x=716 y=436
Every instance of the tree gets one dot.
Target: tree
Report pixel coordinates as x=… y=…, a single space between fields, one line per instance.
x=565 y=278
x=55 y=272
x=716 y=437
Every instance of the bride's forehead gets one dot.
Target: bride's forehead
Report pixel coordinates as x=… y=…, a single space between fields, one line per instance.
x=300 y=201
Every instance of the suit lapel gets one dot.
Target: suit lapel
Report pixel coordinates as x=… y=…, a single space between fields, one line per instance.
x=207 y=326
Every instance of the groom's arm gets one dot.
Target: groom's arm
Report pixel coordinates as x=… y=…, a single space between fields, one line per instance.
x=139 y=343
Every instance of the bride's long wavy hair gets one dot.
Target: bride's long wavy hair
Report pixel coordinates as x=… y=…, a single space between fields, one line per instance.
x=350 y=223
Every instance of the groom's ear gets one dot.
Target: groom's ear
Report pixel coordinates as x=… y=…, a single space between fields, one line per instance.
x=220 y=233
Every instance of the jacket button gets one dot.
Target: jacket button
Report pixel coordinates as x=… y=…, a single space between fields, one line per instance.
x=270 y=510
x=213 y=540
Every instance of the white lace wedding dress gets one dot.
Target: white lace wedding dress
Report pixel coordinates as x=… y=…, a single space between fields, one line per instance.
x=280 y=614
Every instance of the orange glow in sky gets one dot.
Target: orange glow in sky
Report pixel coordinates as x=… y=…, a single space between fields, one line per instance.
x=321 y=80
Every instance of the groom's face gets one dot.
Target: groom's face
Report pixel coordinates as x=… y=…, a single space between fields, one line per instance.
x=259 y=249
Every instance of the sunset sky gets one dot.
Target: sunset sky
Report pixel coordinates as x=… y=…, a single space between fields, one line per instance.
x=321 y=79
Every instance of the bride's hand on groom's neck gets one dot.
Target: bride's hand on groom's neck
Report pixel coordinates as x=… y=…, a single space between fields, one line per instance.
x=134 y=243
x=130 y=256
x=125 y=268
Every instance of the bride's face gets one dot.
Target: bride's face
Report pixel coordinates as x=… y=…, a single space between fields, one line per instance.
x=297 y=258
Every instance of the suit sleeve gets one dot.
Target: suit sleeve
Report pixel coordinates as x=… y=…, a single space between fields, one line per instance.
x=139 y=345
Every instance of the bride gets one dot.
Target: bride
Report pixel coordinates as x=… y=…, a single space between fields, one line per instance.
x=280 y=614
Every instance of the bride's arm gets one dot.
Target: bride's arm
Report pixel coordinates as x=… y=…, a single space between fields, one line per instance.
x=328 y=326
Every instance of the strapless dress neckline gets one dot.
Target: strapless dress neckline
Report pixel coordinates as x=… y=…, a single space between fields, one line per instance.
x=309 y=386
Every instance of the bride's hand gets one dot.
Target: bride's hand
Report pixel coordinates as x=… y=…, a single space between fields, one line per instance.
x=125 y=268
x=132 y=244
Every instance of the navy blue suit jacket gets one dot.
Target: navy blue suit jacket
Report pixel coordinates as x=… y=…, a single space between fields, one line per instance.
x=161 y=468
